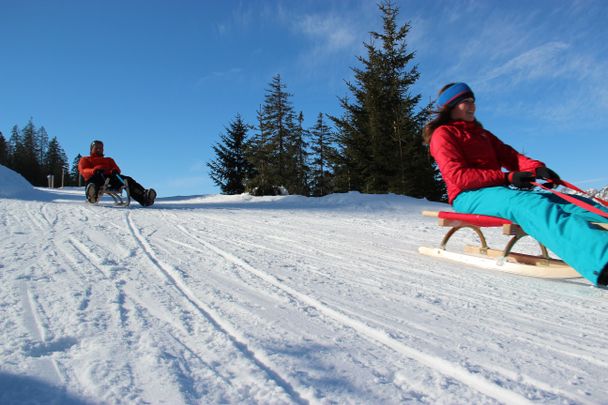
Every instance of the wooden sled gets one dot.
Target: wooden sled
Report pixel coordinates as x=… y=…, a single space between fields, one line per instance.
x=541 y=266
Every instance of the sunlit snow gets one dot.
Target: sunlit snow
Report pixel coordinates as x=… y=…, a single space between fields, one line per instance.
x=276 y=300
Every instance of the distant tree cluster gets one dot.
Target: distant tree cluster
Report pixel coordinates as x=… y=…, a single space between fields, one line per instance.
x=374 y=147
x=30 y=153
x=281 y=156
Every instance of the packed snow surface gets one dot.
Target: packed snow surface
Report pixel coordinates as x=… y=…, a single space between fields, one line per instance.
x=276 y=300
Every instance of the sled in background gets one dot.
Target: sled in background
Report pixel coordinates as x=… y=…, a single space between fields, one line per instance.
x=120 y=195
x=541 y=266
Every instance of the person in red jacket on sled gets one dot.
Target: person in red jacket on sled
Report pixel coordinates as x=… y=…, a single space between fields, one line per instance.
x=473 y=161
x=96 y=169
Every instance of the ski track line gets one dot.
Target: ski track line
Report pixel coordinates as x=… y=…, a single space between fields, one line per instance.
x=370 y=262
x=37 y=327
x=530 y=381
x=121 y=316
x=90 y=257
x=239 y=341
x=559 y=346
x=45 y=215
x=34 y=222
x=452 y=293
x=532 y=339
x=440 y=365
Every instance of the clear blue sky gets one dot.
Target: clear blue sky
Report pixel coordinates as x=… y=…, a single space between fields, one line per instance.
x=159 y=80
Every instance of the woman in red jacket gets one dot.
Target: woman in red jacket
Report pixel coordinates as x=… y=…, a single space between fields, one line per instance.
x=478 y=169
x=96 y=169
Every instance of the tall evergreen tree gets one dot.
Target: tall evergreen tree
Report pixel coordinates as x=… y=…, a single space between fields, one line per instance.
x=379 y=133
x=42 y=145
x=298 y=183
x=3 y=151
x=26 y=159
x=13 y=145
x=75 y=179
x=231 y=169
x=56 y=161
x=260 y=154
x=323 y=153
x=351 y=162
x=277 y=131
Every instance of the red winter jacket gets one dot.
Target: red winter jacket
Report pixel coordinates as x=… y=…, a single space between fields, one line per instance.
x=469 y=157
x=88 y=165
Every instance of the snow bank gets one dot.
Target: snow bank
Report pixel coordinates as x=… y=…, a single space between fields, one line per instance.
x=351 y=201
x=12 y=184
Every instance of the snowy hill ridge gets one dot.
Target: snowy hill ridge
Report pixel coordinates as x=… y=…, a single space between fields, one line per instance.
x=601 y=193
x=12 y=184
x=281 y=300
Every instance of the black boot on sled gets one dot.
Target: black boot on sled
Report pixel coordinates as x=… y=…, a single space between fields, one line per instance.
x=92 y=193
x=603 y=278
x=149 y=197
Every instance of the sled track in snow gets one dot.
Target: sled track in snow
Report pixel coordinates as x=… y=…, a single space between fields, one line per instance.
x=239 y=341
x=37 y=326
x=394 y=269
x=377 y=336
x=556 y=345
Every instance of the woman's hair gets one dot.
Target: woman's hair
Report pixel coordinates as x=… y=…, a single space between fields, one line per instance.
x=441 y=117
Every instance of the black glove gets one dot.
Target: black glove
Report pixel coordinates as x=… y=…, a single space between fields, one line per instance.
x=99 y=173
x=521 y=179
x=547 y=174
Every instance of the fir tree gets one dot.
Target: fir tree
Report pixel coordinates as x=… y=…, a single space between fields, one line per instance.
x=299 y=182
x=25 y=157
x=13 y=145
x=231 y=169
x=55 y=163
x=276 y=140
x=260 y=155
x=350 y=163
x=379 y=133
x=75 y=179
x=323 y=154
x=3 y=151
x=42 y=145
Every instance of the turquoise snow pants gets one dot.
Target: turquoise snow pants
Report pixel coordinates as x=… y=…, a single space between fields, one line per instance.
x=559 y=225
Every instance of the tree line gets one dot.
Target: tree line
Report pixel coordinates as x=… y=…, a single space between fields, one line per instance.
x=375 y=146
x=30 y=153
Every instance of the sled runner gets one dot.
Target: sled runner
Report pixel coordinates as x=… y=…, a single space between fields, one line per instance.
x=120 y=195
x=505 y=260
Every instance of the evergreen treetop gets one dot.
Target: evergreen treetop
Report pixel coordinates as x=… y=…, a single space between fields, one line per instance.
x=379 y=131
x=231 y=169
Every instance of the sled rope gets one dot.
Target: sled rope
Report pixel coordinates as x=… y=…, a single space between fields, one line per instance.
x=576 y=201
x=573 y=187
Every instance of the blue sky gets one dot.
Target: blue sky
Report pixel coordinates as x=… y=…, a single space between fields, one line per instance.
x=158 y=81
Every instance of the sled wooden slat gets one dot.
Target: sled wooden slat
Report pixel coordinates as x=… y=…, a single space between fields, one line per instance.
x=603 y=225
x=517 y=257
x=483 y=256
x=549 y=272
x=513 y=229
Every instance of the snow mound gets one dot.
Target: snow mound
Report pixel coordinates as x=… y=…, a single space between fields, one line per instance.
x=12 y=184
x=352 y=201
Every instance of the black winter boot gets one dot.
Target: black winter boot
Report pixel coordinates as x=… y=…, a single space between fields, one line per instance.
x=149 y=197
x=603 y=277
x=92 y=193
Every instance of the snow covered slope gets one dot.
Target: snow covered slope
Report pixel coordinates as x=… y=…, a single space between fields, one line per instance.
x=277 y=300
x=13 y=185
